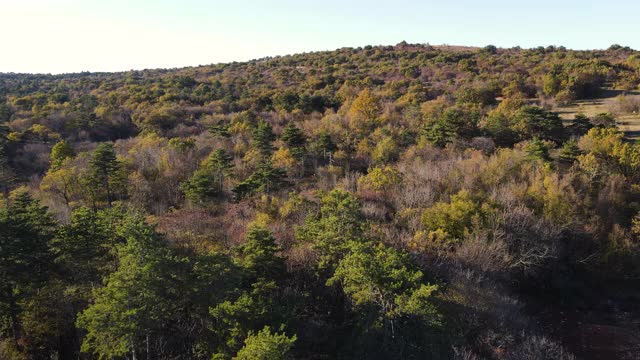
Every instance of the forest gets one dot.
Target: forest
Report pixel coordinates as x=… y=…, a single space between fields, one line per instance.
x=380 y=202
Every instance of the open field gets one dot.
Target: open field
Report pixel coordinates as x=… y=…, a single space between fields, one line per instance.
x=630 y=124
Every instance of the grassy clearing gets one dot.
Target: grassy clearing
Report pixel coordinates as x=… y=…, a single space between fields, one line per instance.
x=630 y=124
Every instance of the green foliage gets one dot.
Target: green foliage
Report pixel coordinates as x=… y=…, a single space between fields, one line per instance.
x=60 y=151
x=151 y=291
x=207 y=182
x=258 y=254
x=86 y=247
x=266 y=179
x=377 y=276
x=105 y=179
x=532 y=121
x=455 y=218
x=338 y=275
x=452 y=123
x=380 y=178
x=569 y=152
x=133 y=302
x=340 y=222
x=262 y=137
x=295 y=139
x=5 y=112
x=537 y=150
x=182 y=145
x=266 y=345
x=26 y=262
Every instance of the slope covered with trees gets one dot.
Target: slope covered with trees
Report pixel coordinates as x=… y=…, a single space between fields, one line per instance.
x=389 y=202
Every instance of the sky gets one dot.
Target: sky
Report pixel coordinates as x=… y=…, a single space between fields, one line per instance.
x=61 y=36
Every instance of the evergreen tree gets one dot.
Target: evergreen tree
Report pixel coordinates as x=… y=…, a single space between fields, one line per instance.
x=105 y=179
x=258 y=254
x=537 y=150
x=6 y=175
x=439 y=133
x=340 y=221
x=263 y=136
x=136 y=301
x=295 y=139
x=266 y=345
x=569 y=152
x=207 y=182
x=533 y=121
x=26 y=228
x=266 y=179
x=219 y=163
x=261 y=301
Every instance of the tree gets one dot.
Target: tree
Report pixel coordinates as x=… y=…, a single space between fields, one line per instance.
x=381 y=277
x=147 y=306
x=439 y=133
x=26 y=262
x=380 y=179
x=451 y=220
x=295 y=139
x=63 y=182
x=569 y=152
x=537 y=150
x=60 y=152
x=201 y=187
x=105 y=179
x=339 y=222
x=258 y=254
x=322 y=146
x=207 y=182
x=395 y=307
x=263 y=136
x=266 y=178
x=5 y=111
x=6 y=173
x=533 y=121
x=266 y=345
x=604 y=120
x=364 y=112
x=366 y=107
x=86 y=247
x=580 y=125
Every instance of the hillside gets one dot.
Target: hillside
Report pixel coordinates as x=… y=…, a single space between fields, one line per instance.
x=388 y=202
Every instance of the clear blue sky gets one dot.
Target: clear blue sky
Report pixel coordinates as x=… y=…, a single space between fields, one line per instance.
x=54 y=36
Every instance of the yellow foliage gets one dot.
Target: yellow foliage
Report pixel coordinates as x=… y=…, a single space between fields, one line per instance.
x=601 y=141
x=283 y=159
x=590 y=166
x=385 y=150
x=365 y=110
x=380 y=178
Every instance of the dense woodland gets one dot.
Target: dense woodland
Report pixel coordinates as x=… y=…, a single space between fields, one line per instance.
x=389 y=202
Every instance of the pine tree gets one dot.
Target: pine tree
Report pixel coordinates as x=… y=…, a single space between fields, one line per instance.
x=537 y=150
x=6 y=174
x=206 y=183
x=266 y=179
x=105 y=179
x=440 y=133
x=137 y=300
x=266 y=345
x=263 y=136
x=26 y=228
x=569 y=152
x=295 y=139
x=259 y=254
